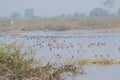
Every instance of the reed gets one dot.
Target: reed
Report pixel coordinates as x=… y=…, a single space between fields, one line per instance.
x=105 y=24
x=16 y=64
x=102 y=61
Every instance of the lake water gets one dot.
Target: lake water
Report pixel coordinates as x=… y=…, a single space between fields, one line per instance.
x=51 y=45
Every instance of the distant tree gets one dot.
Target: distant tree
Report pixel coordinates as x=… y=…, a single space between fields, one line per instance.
x=108 y=4
x=15 y=15
x=4 y=17
x=62 y=15
x=82 y=15
x=76 y=14
x=118 y=13
x=29 y=13
x=69 y=15
x=99 y=12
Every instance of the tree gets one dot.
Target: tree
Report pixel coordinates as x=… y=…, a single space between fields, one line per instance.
x=82 y=15
x=99 y=12
x=118 y=13
x=29 y=13
x=69 y=15
x=108 y=4
x=62 y=15
x=15 y=15
x=76 y=15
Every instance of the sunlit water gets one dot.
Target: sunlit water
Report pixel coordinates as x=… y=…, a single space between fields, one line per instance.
x=51 y=45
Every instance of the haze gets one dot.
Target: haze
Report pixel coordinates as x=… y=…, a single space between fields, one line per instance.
x=46 y=8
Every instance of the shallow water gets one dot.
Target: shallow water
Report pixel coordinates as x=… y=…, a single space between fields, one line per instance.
x=93 y=72
x=51 y=45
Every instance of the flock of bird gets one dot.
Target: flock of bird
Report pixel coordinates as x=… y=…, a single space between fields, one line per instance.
x=55 y=42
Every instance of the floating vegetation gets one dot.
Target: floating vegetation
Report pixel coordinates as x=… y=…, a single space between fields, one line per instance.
x=16 y=64
x=99 y=61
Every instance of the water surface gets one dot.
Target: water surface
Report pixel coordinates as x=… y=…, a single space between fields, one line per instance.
x=51 y=45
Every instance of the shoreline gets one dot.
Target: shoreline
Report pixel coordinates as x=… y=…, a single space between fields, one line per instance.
x=80 y=31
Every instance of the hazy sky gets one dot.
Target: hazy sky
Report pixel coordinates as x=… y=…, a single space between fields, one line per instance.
x=50 y=7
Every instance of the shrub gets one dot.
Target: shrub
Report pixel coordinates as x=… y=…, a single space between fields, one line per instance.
x=99 y=12
x=16 y=64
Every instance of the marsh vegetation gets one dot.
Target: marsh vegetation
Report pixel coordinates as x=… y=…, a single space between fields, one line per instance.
x=103 y=24
x=99 y=61
x=16 y=64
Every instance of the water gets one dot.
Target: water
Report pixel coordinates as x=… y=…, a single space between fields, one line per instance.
x=101 y=73
x=51 y=45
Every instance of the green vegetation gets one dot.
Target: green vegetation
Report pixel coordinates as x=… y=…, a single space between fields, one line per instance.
x=99 y=12
x=60 y=24
x=16 y=64
x=83 y=62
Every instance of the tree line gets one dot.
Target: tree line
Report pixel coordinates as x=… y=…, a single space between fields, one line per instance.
x=108 y=5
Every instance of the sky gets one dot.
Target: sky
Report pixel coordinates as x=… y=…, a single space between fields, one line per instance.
x=47 y=8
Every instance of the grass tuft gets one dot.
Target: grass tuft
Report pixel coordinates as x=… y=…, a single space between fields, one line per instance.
x=16 y=64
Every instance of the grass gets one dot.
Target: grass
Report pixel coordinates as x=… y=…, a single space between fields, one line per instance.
x=102 y=61
x=61 y=24
x=15 y=64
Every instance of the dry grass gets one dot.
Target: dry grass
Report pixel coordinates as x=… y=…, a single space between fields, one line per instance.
x=102 y=61
x=60 y=24
x=16 y=64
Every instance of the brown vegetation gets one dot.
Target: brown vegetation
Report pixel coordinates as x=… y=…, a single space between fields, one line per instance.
x=99 y=61
x=105 y=24
x=18 y=65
